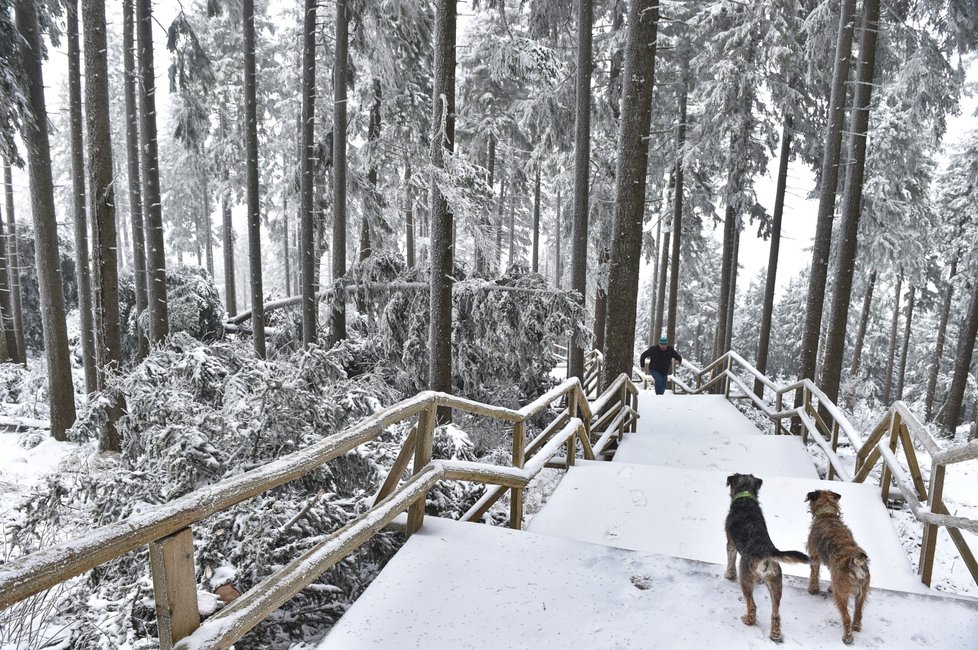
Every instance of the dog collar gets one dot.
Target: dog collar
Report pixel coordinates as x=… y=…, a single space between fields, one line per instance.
x=744 y=494
x=827 y=510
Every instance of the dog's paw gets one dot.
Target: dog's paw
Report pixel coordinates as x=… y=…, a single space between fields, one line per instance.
x=748 y=619
x=777 y=637
x=814 y=590
x=857 y=626
x=730 y=575
x=847 y=639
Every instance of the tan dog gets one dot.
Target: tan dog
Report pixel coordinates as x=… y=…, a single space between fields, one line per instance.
x=830 y=542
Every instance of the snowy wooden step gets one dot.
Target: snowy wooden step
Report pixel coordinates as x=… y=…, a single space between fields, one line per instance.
x=681 y=513
x=461 y=585
x=758 y=455
x=678 y=415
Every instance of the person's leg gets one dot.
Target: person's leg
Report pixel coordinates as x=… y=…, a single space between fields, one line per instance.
x=660 y=382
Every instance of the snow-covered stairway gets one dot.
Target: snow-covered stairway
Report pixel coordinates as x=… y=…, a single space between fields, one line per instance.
x=630 y=554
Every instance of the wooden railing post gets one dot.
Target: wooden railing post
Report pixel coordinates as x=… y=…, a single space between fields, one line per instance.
x=623 y=400
x=519 y=457
x=422 y=456
x=928 y=545
x=727 y=368
x=778 y=404
x=894 y=437
x=835 y=445
x=572 y=412
x=171 y=559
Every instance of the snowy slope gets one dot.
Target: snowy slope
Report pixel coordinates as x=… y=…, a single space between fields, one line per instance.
x=459 y=585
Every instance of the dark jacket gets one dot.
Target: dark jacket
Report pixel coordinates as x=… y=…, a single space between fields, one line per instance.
x=660 y=359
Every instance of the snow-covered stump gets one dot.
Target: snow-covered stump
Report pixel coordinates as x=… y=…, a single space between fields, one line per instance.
x=174 y=586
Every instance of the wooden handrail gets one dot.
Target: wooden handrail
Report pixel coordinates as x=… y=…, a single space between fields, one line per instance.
x=33 y=573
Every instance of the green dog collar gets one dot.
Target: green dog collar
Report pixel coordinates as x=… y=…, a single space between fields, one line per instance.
x=827 y=510
x=742 y=494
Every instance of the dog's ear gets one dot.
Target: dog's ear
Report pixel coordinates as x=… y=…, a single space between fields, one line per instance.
x=812 y=495
x=730 y=479
x=836 y=495
x=756 y=483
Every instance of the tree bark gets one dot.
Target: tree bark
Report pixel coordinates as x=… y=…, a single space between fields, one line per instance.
x=227 y=231
x=251 y=187
x=559 y=265
x=677 y=210
x=6 y=303
x=208 y=225
x=442 y=250
x=307 y=260
x=951 y=413
x=732 y=303
x=935 y=365
x=764 y=337
x=630 y=182
x=136 y=217
x=535 y=258
x=159 y=325
x=901 y=373
x=512 y=229
x=845 y=264
x=829 y=181
x=894 y=327
x=338 y=319
x=660 y=288
x=286 y=255
x=373 y=134
x=601 y=294
x=582 y=167
x=500 y=211
x=723 y=307
x=857 y=351
x=408 y=215
x=653 y=303
x=105 y=268
x=13 y=255
x=61 y=398
x=82 y=267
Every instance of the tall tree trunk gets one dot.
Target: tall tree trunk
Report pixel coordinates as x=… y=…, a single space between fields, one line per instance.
x=582 y=167
x=601 y=294
x=535 y=259
x=307 y=154
x=857 y=350
x=338 y=319
x=770 y=283
x=845 y=264
x=894 y=327
x=9 y=339
x=951 y=413
x=559 y=265
x=653 y=303
x=442 y=256
x=136 y=217
x=82 y=267
x=251 y=186
x=227 y=230
x=61 y=398
x=512 y=229
x=732 y=303
x=408 y=215
x=935 y=365
x=723 y=307
x=105 y=268
x=500 y=211
x=373 y=134
x=661 y=284
x=159 y=325
x=286 y=261
x=13 y=255
x=829 y=180
x=630 y=181
x=902 y=372
x=208 y=225
x=677 y=209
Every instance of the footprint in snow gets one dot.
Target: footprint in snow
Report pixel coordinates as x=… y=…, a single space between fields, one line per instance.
x=613 y=532
x=639 y=498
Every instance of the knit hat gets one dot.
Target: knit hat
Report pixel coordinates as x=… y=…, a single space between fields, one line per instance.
x=663 y=340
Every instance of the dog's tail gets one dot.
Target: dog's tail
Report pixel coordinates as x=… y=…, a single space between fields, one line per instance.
x=791 y=557
x=859 y=566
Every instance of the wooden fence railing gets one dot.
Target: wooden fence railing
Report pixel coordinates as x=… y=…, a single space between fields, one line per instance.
x=825 y=424
x=167 y=529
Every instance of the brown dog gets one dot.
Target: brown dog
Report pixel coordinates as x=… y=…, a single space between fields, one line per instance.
x=830 y=541
x=759 y=558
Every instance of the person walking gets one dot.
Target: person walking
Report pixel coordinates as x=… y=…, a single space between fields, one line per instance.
x=660 y=357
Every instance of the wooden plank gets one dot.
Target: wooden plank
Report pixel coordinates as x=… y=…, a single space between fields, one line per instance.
x=400 y=464
x=894 y=438
x=867 y=466
x=911 y=454
x=422 y=456
x=486 y=501
x=174 y=586
x=870 y=445
x=516 y=496
x=835 y=446
x=928 y=545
